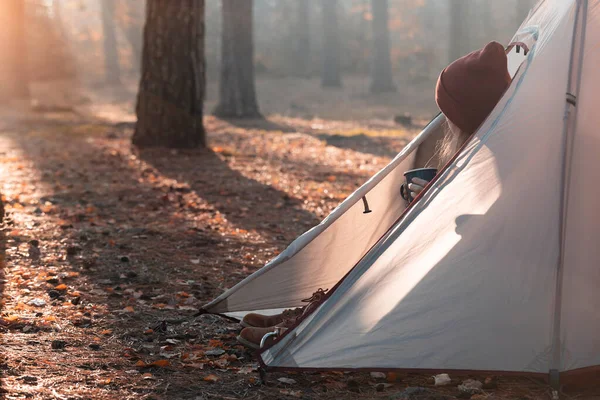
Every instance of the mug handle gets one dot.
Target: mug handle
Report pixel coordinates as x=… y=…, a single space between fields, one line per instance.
x=404 y=192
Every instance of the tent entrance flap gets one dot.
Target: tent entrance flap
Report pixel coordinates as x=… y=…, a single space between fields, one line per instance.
x=323 y=255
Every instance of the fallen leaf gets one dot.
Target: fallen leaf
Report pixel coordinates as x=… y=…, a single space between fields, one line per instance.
x=215 y=343
x=141 y=364
x=293 y=393
x=129 y=309
x=221 y=363
x=195 y=365
x=287 y=381
x=106 y=332
x=147 y=376
x=211 y=378
x=392 y=377
x=148 y=331
x=215 y=352
x=160 y=363
x=246 y=370
x=62 y=286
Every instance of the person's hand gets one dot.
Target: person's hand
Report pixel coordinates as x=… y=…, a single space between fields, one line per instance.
x=416 y=186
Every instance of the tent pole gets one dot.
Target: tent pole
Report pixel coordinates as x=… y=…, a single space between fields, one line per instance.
x=573 y=84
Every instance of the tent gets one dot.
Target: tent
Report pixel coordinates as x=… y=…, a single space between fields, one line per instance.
x=495 y=267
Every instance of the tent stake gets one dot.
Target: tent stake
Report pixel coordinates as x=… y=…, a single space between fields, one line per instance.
x=262 y=376
x=554 y=380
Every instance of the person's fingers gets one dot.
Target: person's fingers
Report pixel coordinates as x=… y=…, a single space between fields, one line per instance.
x=420 y=182
x=413 y=187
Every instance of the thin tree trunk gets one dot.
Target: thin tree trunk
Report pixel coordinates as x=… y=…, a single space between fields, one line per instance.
x=331 y=46
x=381 y=70
x=112 y=69
x=171 y=94
x=459 y=36
x=237 y=93
x=131 y=28
x=14 y=77
x=302 y=54
x=134 y=38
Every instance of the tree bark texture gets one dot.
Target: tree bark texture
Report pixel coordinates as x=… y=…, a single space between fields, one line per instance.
x=237 y=93
x=302 y=54
x=331 y=76
x=459 y=34
x=172 y=86
x=14 y=80
x=112 y=69
x=381 y=70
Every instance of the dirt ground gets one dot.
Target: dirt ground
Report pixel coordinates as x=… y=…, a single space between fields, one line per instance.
x=107 y=252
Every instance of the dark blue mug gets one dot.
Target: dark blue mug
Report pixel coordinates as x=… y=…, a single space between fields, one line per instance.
x=423 y=173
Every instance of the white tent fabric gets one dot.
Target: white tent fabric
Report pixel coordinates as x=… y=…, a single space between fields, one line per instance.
x=496 y=266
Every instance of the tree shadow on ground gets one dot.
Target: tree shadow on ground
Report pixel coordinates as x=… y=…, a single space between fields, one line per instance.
x=245 y=202
x=139 y=222
x=381 y=146
x=264 y=124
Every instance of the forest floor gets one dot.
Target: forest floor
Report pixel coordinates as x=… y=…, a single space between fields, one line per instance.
x=107 y=252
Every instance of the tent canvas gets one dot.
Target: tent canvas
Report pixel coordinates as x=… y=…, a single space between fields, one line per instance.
x=494 y=267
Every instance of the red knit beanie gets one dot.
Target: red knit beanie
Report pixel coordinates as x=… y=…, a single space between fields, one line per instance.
x=469 y=88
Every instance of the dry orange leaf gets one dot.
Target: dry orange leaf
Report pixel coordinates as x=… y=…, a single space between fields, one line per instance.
x=392 y=377
x=148 y=331
x=129 y=309
x=106 y=332
x=211 y=378
x=11 y=318
x=140 y=364
x=62 y=286
x=215 y=343
x=160 y=363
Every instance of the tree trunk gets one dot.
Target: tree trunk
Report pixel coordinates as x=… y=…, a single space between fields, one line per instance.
x=459 y=35
x=134 y=38
x=14 y=79
x=171 y=94
x=131 y=26
x=381 y=70
x=237 y=94
x=112 y=70
x=302 y=54
x=331 y=46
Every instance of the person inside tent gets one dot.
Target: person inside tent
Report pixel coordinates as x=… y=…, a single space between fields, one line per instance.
x=466 y=92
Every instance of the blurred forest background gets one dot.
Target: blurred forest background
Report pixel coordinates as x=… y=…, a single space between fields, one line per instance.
x=312 y=58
